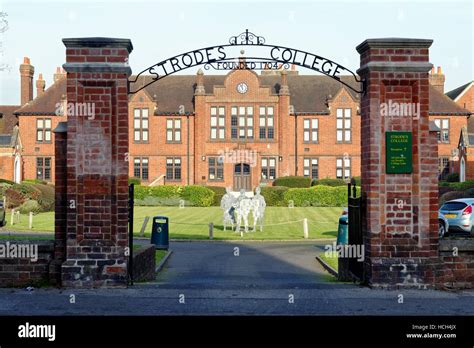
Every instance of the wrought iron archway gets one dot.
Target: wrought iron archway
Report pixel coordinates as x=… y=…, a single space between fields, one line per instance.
x=217 y=58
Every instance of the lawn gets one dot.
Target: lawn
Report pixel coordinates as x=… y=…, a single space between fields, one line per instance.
x=331 y=259
x=192 y=223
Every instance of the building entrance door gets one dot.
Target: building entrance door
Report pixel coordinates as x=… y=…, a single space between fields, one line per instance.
x=242 y=177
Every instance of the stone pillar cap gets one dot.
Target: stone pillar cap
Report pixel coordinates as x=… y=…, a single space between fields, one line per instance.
x=394 y=42
x=98 y=42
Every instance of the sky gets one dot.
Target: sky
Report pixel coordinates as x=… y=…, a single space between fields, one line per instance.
x=161 y=29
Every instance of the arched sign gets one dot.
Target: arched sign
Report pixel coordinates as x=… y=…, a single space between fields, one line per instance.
x=225 y=57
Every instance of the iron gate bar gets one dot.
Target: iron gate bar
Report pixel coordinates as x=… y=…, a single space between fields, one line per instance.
x=131 y=204
x=246 y=40
x=355 y=229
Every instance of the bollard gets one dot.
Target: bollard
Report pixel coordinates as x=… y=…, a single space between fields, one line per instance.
x=305 y=228
x=12 y=217
x=17 y=217
x=145 y=222
x=211 y=231
x=30 y=223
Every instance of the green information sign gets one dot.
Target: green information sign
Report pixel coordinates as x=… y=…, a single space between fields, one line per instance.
x=398 y=152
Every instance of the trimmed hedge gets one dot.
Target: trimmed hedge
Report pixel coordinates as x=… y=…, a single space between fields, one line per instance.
x=274 y=195
x=317 y=196
x=30 y=206
x=462 y=185
x=329 y=182
x=219 y=192
x=199 y=196
x=135 y=181
x=452 y=177
x=292 y=181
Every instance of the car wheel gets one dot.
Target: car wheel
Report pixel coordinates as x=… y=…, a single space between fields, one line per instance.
x=441 y=229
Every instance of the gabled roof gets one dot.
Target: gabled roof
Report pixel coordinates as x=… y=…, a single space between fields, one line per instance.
x=45 y=104
x=308 y=94
x=7 y=118
x=440 y=104
x=455 y=93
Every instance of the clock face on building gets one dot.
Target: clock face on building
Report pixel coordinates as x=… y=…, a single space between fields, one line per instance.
x=242 y=88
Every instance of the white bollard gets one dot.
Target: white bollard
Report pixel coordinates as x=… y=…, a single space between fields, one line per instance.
x=12 y=217
x=30 y=224
x=305 y=228
x=17 y=217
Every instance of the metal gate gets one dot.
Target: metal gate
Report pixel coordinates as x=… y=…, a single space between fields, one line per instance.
x=131 y=196
x=355 y=229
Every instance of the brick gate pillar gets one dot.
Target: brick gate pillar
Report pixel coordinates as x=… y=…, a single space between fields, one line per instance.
x=97 y=162
x=400 y=214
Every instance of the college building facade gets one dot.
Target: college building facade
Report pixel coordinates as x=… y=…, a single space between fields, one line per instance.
x=241 y=129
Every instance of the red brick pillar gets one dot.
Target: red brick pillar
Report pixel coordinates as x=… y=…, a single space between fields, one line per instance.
x=97 y=162
x=60 y=201
x=400 y=214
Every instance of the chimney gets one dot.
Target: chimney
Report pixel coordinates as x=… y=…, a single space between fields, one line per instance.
x=200 y=90
x=60 y=73
x=27 y=72
x=284 y=90
x=40 y=85
x=437 y=79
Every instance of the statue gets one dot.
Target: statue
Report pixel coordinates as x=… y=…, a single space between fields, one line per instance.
x=243 y=207
x=258 y=209
x=228 y=206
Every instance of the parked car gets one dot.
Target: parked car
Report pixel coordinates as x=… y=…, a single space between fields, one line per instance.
x=2 y=214
x=459 y=213
x=443 y=225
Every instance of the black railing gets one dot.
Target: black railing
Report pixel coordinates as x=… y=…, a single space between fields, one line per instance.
x=131 y=196
x=356 y=267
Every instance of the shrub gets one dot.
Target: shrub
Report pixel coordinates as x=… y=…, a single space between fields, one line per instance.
x=462 y=185
x=292 y=181
x=199 y=196
x=318 y=196
x=451 y=195
x=219 y=192
x=14 y=198
x=274 y=195
x=452 y=177
x=165 y=191
x=30 y=206
x=357 y=180
x=46 y=196
x=34 y=181
x=470 y=192
x=156 y=201
x=6 y=181
x=329 y=182
x=135 y=181
x=443 y=184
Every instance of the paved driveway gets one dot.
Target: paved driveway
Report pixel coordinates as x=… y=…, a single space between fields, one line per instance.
x=205 y=278
x=256 y=265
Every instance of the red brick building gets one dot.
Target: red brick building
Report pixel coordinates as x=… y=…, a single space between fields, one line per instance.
x=464 y=97
x=241 y=129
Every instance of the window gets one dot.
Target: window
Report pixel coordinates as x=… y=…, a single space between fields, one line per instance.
x=140 y=125
x=443 y=167
x=343 y=168
x=216 y=169
x=218 y=122
x=310 y=130
x=268 y=168
x=310 y=168
x=43 y=168
x=241 y=122
x=140 y=168
x=443 y=125
x=173 y=130
x=266 y=122
x=43 y=130
x=343 y=125
x=173 y=168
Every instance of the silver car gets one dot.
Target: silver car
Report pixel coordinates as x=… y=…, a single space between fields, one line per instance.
x=459 y=213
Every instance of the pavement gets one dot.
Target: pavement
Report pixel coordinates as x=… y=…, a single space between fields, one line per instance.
x=238 y=278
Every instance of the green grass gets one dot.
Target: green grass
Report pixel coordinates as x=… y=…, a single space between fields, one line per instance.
x=159 y=255
x=331 y=260
x=192 y=223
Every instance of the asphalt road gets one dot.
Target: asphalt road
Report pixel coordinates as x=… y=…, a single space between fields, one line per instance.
x=207 y=278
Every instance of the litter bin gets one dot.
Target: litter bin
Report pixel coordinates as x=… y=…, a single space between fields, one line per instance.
x=342 y=230
x=160 y=232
